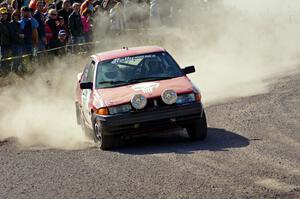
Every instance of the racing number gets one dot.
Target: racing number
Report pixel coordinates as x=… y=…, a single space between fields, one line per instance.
x=88 y=76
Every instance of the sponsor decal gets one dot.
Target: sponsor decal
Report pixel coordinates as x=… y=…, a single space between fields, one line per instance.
x=131 y=59
x=145 y=87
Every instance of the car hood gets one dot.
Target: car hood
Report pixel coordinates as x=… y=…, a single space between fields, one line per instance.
x=153 y=89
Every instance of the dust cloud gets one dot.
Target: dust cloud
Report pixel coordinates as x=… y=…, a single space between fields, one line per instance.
x=238 y=48
x=39 y=109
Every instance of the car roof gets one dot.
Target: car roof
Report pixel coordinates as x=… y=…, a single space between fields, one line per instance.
x=125 y=52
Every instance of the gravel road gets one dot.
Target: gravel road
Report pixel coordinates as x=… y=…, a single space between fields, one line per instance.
x=252 y=151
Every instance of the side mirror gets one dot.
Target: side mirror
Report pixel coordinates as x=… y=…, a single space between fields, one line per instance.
x=86 y=85
x=189 y=69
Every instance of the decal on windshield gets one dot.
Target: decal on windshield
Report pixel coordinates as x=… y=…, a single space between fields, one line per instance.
x=131 y=59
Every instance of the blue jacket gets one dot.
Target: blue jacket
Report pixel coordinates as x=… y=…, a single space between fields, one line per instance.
x=40 y=19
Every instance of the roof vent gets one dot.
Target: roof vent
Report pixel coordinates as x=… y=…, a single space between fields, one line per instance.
x=125 y=48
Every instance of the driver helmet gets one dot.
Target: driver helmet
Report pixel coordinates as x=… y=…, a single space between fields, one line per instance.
x=110 y=72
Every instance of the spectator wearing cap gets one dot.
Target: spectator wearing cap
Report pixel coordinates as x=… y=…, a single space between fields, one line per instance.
x=39 y=16
x=4 y=38
x=52 y=29
x=17 y=38
x=29 y=28
x=62 y=37
x=75 y=25
x=66 y=11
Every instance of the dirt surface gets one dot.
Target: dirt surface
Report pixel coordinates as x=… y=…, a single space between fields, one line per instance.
x=252 y=151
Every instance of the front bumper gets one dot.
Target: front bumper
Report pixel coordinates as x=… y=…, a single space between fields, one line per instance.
x=139 y=122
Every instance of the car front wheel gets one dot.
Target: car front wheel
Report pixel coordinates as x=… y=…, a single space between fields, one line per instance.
x=198 y=130
x=105 y=142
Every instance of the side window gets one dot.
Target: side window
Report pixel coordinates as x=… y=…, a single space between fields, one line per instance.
x=90 y=75
x=85 y=74
x=88 y=72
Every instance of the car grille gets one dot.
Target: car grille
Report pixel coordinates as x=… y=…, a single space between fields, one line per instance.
x=153 y=104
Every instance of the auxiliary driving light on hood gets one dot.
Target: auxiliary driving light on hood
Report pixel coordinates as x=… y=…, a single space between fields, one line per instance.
x=139 y=101
x=169 y=96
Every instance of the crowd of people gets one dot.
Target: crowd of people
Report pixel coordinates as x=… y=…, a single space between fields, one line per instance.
x=28 y=27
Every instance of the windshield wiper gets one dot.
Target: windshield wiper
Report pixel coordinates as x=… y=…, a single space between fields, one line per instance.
x=148 y=79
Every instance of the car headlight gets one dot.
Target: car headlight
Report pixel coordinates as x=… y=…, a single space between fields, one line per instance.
x=169 y=96
x=186 y=98
x=139 y=101
x=120 y=109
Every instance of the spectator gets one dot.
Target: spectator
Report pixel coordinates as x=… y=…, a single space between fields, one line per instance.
x=137 y=14
x=66 y=11
x=75 y=25
x=5 y=38
x=58 y=4
x=15 y=5
x=34 y=3
x=20 y=4
x=62 y=37
x=87 y=4
x=9 y=11
x=62 y=26
x=39 y=16
x=108 y=4
x=17 y=38
x=52 y=29
x=154 y=14
x=29 y=28
x=26 y=3
x=117 y=19
x=85 y=19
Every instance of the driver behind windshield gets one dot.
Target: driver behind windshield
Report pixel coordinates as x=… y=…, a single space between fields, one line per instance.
x=154 y=68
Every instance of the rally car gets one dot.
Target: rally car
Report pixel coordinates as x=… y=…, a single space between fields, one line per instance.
x=134 y=91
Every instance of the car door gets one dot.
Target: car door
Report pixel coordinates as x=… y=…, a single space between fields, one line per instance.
x=86 y=97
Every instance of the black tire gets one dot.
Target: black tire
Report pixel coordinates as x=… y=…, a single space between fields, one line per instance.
x=104 y=142
x=198 y=130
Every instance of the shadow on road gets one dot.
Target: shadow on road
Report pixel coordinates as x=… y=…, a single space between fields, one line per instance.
x=217 y=140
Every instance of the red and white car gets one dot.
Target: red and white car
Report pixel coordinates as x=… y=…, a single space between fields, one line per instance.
x=134 y=91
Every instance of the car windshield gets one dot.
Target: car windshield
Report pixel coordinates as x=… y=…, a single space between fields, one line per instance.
x=135 y=69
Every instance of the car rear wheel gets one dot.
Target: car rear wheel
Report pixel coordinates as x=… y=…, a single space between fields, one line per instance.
x=104 y=142
x=198 y=130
